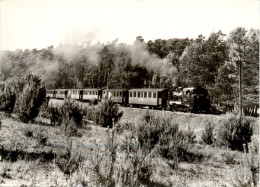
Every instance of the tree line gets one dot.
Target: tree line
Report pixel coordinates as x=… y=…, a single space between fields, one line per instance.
x=210 y=62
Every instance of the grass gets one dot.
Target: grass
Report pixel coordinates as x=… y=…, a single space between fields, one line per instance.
x=211 y=168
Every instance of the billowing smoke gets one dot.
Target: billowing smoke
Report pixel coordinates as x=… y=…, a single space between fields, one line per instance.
x=85 y=49
x=141 y=56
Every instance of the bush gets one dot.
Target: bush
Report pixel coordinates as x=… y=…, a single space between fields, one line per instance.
x=69 y=115
x=234 y=132
x=130 y=166
x=44 y=109
x=69 y=158
x=29 y=101
x=207 y=136
x=106 y=112
x=163 y=135
x=8 y=94
x=54 y=115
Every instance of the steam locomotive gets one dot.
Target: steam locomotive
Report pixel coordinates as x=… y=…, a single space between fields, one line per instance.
x=192 y=99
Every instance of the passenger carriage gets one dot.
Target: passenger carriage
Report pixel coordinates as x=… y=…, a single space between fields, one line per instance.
x=119 y=96
x=151 y=97
x=89 y=94
x=51 y=93
x=61 y=93
x=75 y=93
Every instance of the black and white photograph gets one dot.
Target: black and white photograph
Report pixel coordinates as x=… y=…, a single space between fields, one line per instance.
x=129 y=93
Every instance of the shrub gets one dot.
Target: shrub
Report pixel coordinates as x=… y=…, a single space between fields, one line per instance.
x=30 y=99
x=207 y=136
x=69 y=115
x=8 y=93
x=241 y=177
x=251 y=159
x=69 y=158
x=44 y=109
x=54 y=115
x=147 y=116
x=106 y=112
x=163 y=135
x=130 y=166
x=234 y=132
x=135 y=166
x=229 y=157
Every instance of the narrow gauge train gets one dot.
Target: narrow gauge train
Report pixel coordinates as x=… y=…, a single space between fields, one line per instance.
x=194 y=100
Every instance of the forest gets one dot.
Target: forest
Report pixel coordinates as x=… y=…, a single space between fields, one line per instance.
x=210 y=62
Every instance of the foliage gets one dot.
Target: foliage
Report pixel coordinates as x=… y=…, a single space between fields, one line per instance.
x=69 y=115
x=233 y=133
x=207 y=136
x=229 y=157
x=22 y=95
x=161 y=134
x=120 y=167
x=246 y=174
x=29 y=101
x=244 y=49
x=201 y=60
x=107 y=113
x=8 y=93
x=69 y=159
x=251 y=160
x=54 y=115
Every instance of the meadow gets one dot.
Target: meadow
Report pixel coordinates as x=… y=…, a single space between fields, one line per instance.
x=41 y=154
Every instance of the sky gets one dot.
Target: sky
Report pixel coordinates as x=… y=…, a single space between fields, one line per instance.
x=28 y=24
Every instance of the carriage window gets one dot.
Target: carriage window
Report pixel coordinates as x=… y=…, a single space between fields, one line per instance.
x=142 y=94
x=138 y=94
x=134 y=94
x=121 y=94
x=145 y=94
x=154 y=94
x=149 y=94
x=130 y=94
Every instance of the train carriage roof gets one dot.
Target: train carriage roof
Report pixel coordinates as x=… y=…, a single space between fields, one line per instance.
x=148 y=89
x=60 y=89
x=91 y=89
x=115 y=90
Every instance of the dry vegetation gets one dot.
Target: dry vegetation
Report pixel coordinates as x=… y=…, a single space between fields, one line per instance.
x=136 y=151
